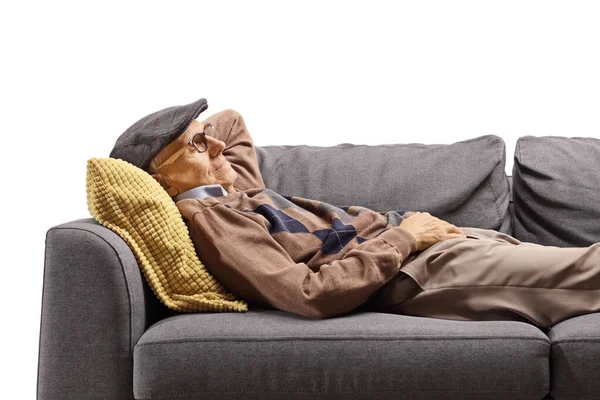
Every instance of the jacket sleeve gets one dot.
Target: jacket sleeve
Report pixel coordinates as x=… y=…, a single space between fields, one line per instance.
x=239 y=148
x=240 y=253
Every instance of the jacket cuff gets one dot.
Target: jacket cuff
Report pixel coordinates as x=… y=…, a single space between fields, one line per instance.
x=401 y=239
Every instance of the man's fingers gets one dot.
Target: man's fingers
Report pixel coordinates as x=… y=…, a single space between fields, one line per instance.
x=454 y=228
x=454 y=235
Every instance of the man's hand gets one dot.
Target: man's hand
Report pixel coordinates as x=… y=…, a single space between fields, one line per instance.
x=429 y=230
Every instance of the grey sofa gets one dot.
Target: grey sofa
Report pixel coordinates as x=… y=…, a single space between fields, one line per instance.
x=104 y=335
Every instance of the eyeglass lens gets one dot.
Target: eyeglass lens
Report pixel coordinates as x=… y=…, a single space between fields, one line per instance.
x=199 y=139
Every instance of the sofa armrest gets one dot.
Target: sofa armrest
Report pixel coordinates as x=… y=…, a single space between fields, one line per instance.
x=94 y=310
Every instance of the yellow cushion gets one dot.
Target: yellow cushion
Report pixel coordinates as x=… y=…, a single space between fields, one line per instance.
x=131 y=203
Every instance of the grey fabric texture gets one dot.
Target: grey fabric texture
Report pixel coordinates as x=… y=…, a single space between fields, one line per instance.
x=556 y=190
x=269 y=354
x=574 y=358
x=464 y=183
x=142 y=141
x=511 y=206
x=93 y=313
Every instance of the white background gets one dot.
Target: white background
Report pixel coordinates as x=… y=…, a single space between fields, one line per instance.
x=75 y=75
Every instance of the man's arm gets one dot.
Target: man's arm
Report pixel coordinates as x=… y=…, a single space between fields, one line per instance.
x=240 y=253
x=239 y=148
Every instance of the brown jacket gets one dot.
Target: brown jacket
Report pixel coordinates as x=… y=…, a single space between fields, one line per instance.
x=294 y=254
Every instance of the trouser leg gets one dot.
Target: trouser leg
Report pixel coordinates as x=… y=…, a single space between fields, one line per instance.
x=492 y=276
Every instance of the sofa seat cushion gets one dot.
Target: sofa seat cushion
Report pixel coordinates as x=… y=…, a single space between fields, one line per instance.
x=556 y=183
x=464 y=183
x=574 y=358
x=270 y=354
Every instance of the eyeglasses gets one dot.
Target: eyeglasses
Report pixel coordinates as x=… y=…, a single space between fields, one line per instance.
x=198 y=142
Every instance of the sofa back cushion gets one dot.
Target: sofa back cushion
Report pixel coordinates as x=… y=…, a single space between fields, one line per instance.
x=464 y=183
x=556 y=183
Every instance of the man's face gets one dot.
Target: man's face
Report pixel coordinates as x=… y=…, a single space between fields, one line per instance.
x=191 y=168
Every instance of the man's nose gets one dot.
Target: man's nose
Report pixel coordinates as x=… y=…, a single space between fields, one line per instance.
x=215 y=146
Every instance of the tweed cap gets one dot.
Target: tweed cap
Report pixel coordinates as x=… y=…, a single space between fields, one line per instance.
x=142 y=141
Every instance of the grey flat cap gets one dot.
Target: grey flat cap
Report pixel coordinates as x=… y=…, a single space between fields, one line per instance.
x=142 y=141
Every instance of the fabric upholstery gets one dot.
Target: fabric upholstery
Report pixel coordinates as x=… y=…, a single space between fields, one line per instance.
x=511 y=207
x=574 y=358
x=464 y=183
x=129 y=201
x=269 y=354
x=94 y=311
x=556 y=190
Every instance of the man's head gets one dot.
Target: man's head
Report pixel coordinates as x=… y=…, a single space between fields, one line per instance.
x=193 y=159
x=179 y=153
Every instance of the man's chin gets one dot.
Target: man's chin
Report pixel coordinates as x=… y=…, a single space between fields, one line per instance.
x=233 y=177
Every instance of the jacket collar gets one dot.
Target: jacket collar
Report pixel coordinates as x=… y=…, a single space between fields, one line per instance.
x=201 y=192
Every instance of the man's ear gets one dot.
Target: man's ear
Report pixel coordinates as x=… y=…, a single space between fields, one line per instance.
x=171 y=190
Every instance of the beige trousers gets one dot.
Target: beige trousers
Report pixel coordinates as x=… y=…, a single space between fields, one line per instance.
x=493 y=276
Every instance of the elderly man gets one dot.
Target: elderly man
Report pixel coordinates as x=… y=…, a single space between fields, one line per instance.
x=318 y=260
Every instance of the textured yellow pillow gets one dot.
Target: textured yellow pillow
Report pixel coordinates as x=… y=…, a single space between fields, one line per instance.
x=131 y=203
